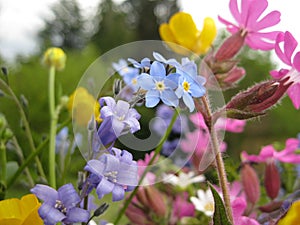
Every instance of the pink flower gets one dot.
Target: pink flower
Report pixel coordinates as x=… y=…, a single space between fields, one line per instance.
x=182 y=207
x=285 y=54
x=142 y=165
x=268 y=153
x=238 y=207
x=251 y=23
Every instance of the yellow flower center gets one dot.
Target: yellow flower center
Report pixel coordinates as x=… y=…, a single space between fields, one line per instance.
x=134 y=81
x=160 y=85
x=209 y=206
x=186 y=86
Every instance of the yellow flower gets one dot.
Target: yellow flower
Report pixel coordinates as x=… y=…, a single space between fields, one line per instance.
x=20 y=212
x=292 y=217
x=83 y=105
x=182 y=31
x=55 y=57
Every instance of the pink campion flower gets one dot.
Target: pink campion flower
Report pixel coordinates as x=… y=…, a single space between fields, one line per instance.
x=251 y=23
x=182 y=208
x=285 y=54
x=238 y=207
x=142 y=165
x=268 y=153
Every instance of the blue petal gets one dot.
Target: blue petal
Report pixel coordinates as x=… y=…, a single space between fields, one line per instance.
x=117 y=127
x=145 y=81
x=133 y=124
x=50 y=215
x=76 y=215
x=122 y=108
x=157 y=69
x=169 y=98
x=197 y=90
x=126 y=157
x=152 y=98
x=109 y=101
x=96 y=167
x=46 y=193
x=68 y=195
x=179 y=91
x=118 y=193
x=128 y=174
x=104 y=187
x=112 y=163
x=188 y=101
x=106 y=111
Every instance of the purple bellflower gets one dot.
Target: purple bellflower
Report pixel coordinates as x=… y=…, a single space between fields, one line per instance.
x=159 y=86
x=251 y=23
x=285 y=54
x=116 y=173
x=118 y=119
x=60 y=205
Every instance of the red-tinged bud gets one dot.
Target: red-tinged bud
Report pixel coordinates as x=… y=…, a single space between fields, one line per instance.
x=271 y=207
x=231 y=46
x=250 y=183
x=142 y=197
x=259 y=98
x=136 y=215
x=156 y=201
x=272 y=180
x=230 y=79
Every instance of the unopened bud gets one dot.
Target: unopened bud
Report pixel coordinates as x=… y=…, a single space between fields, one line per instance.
x=250 y=183
x=3 y=122
x=156 y=201
x=271 y=207
x=102 y=208
x=230 y=47
x=7 y=134
x=230 y=79
x=136 y=215
x=272 y=180
x=260 y=97
x=55 y=57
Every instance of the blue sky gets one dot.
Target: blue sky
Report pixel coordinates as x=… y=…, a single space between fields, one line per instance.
x=20 y=20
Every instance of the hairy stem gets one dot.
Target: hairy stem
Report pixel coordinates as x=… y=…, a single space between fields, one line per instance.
x=157 y=151
x=219 y=160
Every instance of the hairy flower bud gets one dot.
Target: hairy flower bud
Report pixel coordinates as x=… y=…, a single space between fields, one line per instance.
x=250 y=183
x=231 y=46
x=272 y=180
x=55 y=57
x=258 y=98
x=229 y=80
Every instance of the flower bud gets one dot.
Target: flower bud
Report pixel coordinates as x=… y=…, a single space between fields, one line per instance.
x=3 y=123
x=54 y=57
x=230 y=47
x=136 y=215
x=156 y=201
x=272 y=180
x=260 y=97
x=250 y=183
x=228 y=80
x=7 y=134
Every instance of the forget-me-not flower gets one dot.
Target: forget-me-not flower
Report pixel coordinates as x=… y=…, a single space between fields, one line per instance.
x=159 y=86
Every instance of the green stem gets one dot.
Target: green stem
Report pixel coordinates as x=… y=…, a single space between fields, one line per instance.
x=3 y=163
x=157 y=151
x=219 y=160
x=53 y=123
x=33 y=155
x=26 y=126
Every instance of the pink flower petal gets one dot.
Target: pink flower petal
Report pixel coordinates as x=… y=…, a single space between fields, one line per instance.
x=294 y=94
x=278 y=50
x=296 y=61
x=233 y=6
x=257 y=43
x=256 y=8
x=245 y=12
x=269 y=20
x=230 y=26
x=278 y=74
x=290 y=45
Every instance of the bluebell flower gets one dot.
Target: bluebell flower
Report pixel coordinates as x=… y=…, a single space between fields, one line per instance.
x=60 y=205
x=190 y=84
x=159 y=86
x=118 y=119
x=116 y=172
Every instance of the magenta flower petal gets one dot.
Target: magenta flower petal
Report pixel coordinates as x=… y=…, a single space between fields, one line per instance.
x=269 y=20
x=245 y=6
x=230 y=26
x=294 y=94
x=256 y=42
x=296 y=61
x=290 y=44
x=255 y=11
x=233 y=6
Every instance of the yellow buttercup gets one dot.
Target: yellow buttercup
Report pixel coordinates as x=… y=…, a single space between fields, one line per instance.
x=183 y=31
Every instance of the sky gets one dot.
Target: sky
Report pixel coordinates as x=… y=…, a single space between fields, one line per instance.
x=20 y=20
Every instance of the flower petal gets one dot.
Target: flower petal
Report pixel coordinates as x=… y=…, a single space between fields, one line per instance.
x=207 y=36
x=152 y=98
x=296 y=61
x=233 y=6
x=96 y=167
x=232 y=28
x=76 y=215
x=68 y=195
x=290 y=44
x=169 y=98
x=118 y=193
x=294 y=94
x=50 y=215
x=46 y=193
x=256 y=8
x=145 y=81
x=188 y=101
x=104 y=187
x=269 y=20
x=157 y=69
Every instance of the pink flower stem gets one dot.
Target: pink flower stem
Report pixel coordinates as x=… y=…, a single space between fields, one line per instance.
x=219 y=160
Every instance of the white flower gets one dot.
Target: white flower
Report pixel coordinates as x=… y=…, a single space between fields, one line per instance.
x=204 y=202
x=183 y=180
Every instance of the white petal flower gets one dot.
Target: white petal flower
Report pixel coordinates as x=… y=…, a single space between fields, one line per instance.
x=183 y=180
x=204 y=202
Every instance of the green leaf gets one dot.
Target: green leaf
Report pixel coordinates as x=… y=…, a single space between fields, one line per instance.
x=11 y=169
x=220 y=216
